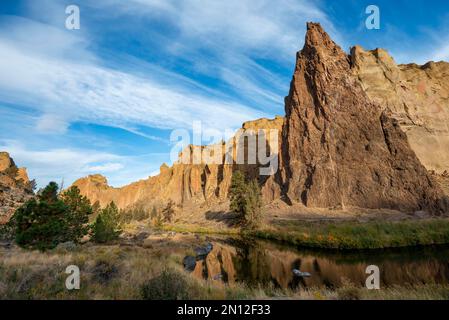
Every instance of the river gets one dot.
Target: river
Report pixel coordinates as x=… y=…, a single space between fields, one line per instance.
x=257 y=262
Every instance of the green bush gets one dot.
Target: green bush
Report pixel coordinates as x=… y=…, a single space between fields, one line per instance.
x=106 y=227
x=169 y=285
x=6 y=232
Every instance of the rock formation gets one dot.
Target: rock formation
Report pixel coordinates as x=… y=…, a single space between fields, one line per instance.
x=15 y=187
x=186 y=183
x=342 y=143
x=341 y=149
x=418 y=97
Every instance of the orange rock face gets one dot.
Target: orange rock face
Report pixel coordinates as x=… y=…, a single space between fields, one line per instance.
x=342 y=142
x=341 y=149
x=186 y=183
x=418 y=97
x=14 y=187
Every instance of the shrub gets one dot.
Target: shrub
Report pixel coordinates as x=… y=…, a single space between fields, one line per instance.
x=169 y=285
x=169 y=211
x=140 y=214
x=107 y=225
x=104 y=271
x=7 y=232
x=158 y=222
x=154 y=213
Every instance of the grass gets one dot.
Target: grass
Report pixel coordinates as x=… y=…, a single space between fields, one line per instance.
x=107 y=272
x=340 y=235
x=115 y=272
x=355 y=235
x=200 y=229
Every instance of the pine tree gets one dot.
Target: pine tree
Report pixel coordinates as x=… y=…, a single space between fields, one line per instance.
x=41 y=223
x=107 y=225
x=253 y=205
x=246 y=200
x=237 y=193
x=78 y=215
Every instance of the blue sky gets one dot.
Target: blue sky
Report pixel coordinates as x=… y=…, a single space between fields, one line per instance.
x=105 y=98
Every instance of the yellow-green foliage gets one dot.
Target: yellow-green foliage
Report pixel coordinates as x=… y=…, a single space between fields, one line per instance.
x=354 y=235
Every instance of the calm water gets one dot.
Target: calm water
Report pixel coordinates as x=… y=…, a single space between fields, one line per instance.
x=262 y=262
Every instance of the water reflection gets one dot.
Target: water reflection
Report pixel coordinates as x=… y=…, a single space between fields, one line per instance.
x=263 y=263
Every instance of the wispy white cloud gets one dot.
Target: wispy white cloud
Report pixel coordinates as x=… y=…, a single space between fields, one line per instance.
x=83 y=91
x=58 y=163
x=102 y=168
x=264 y=27
x=69 y=164
x=59 y=78
x=226 y=40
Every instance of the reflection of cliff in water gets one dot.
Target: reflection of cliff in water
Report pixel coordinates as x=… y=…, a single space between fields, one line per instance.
x=263 y=263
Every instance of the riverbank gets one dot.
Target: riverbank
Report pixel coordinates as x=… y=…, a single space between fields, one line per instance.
x=342 y=235
x=154 y=271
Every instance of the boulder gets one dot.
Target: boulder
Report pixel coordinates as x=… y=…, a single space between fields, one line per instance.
x=189 y=263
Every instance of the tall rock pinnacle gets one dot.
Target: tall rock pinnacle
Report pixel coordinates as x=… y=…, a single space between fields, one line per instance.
x=341 y=149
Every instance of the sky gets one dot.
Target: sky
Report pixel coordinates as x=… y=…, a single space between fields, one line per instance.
x=105 y=98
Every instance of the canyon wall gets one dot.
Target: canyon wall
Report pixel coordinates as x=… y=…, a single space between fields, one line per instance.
x=187 y=183
x=340 y=148
x=359 y=131
x=418 y=97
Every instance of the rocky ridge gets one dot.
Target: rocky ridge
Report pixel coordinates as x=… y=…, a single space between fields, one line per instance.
x=357 y=131
x=15 y=187
x=339 y=148
x=187 y=184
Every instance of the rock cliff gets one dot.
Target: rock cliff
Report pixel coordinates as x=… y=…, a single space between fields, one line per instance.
x=359 y=131
x=15 y=187
x=340 y=148
x=187 y=183
x=418 y=97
